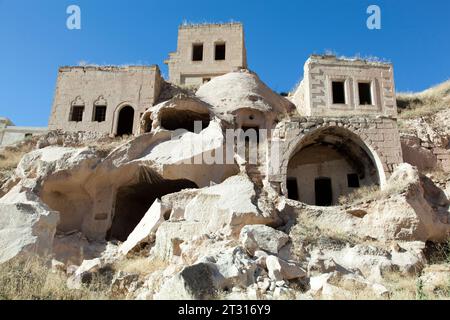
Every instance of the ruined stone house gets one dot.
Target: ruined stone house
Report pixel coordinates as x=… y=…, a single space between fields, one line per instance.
x=345 y=135
x=10 y=133
x=336 y=133
x=108 y=100
x=207 y=51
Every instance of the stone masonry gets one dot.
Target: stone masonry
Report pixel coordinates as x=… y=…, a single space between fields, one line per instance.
x=314 y=96
x=10 y=134
x=208 y=39
x=109 y=88
x=377 y=135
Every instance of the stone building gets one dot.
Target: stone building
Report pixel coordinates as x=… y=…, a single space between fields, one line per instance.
x=344 y=87
x=345 y=135
x=10 y=134
x=337 y=132
x=108 y=100
x=206 y=51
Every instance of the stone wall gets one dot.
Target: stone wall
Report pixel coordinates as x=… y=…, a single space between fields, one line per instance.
x=315 y=97
x=378 y=136
x=13 y=134
x=114 y=87
x=183 y=70
x=10 y=134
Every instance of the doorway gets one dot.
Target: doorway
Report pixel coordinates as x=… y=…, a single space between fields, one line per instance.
x=324 y=192
x=292 y=188
x=125 y=123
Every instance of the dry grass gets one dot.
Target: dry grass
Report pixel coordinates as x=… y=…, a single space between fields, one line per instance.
x=401 y=287
x=143 y=266
x=372 y=193
x=10 y=156
x=308 y=233
x=31 y=279
x=426 y=103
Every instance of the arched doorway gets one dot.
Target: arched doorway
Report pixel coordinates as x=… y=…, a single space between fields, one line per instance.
x=125 y=122
x=329 y=163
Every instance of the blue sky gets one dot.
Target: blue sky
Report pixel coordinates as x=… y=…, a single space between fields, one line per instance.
x=280 y=35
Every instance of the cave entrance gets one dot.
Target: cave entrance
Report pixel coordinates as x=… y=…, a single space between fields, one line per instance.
x=125 y=122
x=133 y=202
x=172 y=119
x=328 y=164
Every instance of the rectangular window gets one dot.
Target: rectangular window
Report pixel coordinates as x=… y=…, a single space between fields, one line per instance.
x=365 y=93
x=197 y=52
x=220 y=51
x=77 y=114
x=338 y=88
x=100 y=113
x=353 y=180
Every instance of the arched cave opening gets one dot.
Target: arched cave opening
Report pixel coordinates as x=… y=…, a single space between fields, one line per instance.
x=173 y=119
x=133 y=201
x=327 y=166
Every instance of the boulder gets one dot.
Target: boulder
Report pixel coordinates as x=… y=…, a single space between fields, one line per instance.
x=27 y=225
x=146 y=228
x=408 y=214
x=124 y=283
x=227 y=207
x=58 y=266
x=371 y=261
x=196 y=282
x=83 y=274
x=91 y=271
x=261 y=237
x=283 y=270
x=171 y=235
x=318 y=264
x=235 y=267
x=337 y=286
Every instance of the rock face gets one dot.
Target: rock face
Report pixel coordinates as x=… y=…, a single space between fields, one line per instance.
x=27 y=226
x=216 y=229
x=282 y=270
x=410 y=215
x=408 y=209
x=242 y=90
x=195 y=282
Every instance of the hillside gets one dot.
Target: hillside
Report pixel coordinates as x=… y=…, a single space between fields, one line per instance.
x=70 y=223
